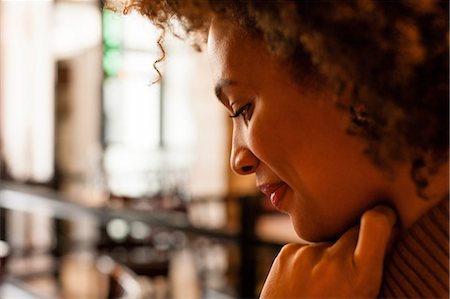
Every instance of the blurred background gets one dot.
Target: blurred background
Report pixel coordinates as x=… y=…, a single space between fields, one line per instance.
x=111 y=186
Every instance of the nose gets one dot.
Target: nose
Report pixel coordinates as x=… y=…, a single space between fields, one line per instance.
x=242 y=159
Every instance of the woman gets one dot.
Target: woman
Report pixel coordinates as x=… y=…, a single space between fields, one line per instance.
x=341 y=111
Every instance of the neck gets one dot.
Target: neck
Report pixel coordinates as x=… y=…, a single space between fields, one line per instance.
x=410 y=206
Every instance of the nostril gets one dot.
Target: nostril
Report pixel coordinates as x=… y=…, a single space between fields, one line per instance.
x=247 y=168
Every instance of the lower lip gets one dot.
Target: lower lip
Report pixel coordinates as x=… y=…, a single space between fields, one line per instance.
x=277 y=195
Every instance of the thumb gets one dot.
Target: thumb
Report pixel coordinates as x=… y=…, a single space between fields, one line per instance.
x=375 y=234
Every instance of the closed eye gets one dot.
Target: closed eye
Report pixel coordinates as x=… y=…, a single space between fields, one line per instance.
x=244 y=111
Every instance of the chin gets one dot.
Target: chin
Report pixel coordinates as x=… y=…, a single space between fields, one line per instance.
x=314 y=232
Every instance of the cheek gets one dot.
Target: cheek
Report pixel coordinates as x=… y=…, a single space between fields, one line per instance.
x=320 y=163
x=334 y=185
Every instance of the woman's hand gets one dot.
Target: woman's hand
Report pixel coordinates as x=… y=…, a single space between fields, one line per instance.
x=351 y=267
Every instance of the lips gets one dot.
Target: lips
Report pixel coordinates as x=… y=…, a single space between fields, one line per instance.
x=275 y=192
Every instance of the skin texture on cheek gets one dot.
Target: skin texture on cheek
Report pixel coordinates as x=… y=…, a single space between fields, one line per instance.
x=306 y=146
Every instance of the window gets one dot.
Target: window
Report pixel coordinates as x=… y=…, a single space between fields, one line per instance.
x=26 y=93
x=155 y=133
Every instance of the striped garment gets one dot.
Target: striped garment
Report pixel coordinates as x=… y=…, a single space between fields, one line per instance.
x=418 y=266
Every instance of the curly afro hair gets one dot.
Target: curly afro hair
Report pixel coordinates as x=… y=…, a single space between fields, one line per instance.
x=393 y=57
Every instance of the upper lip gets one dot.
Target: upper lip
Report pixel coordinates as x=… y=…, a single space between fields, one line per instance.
x=269 y=188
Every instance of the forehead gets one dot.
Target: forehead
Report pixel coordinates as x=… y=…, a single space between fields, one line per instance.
x=233 y=52
x=224 y=32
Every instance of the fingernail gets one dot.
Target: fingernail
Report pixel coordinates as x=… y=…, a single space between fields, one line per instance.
x=389 y=212
x=391 y=215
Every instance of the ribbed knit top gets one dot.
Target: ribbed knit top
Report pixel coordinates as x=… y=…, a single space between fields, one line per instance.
x=418 y=266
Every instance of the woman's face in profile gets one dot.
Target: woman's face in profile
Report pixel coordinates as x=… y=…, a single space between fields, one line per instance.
x=292 y=137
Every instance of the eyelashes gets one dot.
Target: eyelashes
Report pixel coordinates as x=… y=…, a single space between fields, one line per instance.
x=243 y=111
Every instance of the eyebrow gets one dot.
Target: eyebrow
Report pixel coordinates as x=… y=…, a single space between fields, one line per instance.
x=218 y=89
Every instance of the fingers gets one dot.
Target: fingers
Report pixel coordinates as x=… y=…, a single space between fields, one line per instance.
x=375 y=233
x=346 y=242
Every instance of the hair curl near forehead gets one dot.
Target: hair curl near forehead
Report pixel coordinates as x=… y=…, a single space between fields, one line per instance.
x=390 y=58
